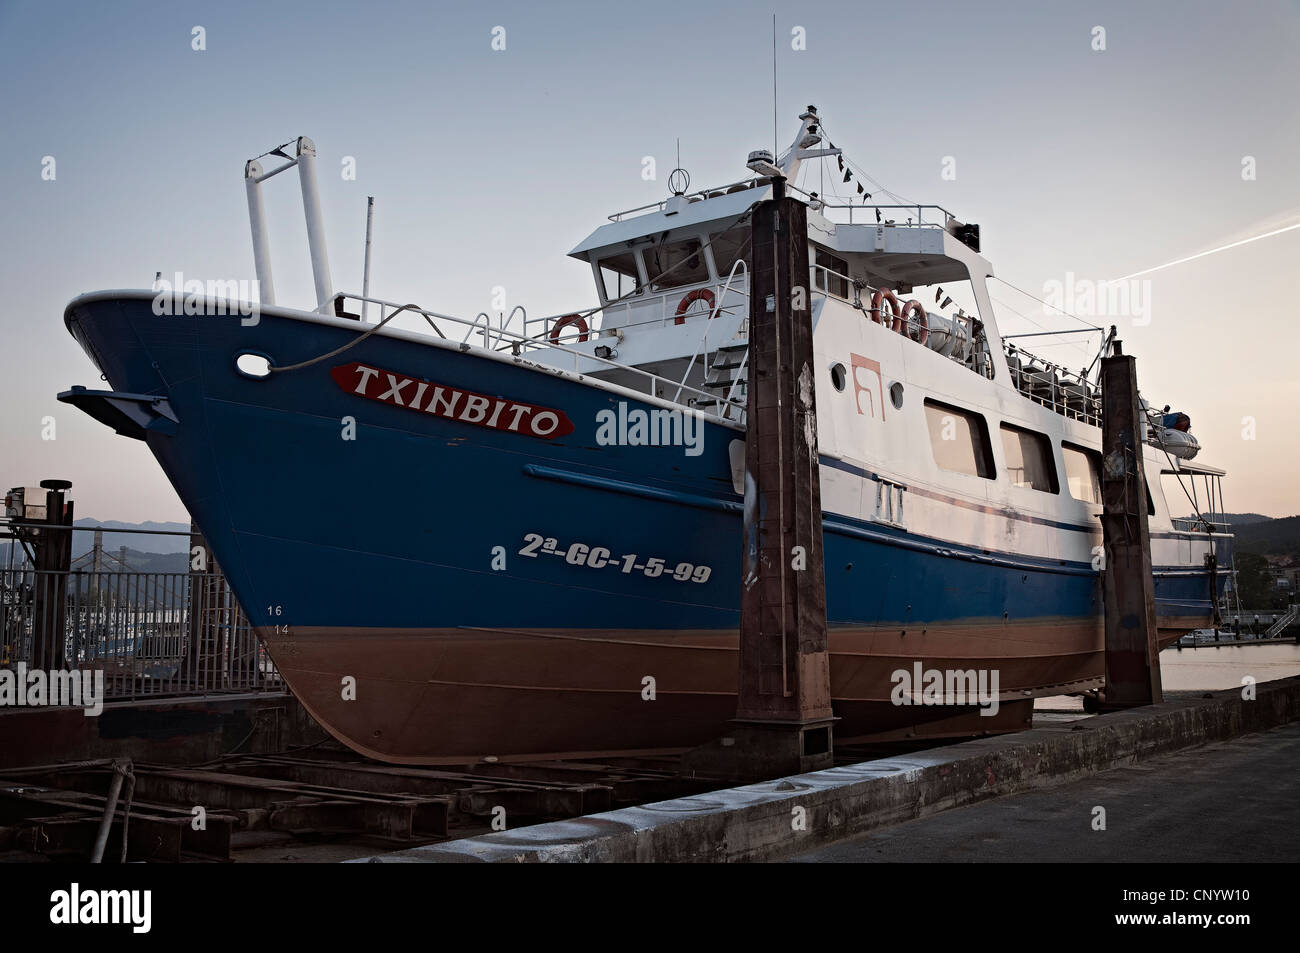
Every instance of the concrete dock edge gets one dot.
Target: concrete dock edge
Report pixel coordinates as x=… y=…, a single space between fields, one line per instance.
x=760 y=821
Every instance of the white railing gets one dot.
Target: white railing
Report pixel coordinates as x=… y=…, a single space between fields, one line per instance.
x=1274 y=630
x=919 y=211
x=660 y=306
x=1196 y=524
x=713 y=313
x=1068 y=393
x=487 y=329
x=825 y=287
x=518 y=343
x=700 y=196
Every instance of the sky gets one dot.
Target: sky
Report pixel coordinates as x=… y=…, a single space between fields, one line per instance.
x=1084 y=156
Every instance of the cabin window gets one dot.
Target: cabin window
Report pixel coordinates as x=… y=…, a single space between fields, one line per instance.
x=959 y=440
x=619 y=275
x=1028 y=458
x=673 y=264
x=727 y=247
x=1082 y=472
x=830 y=274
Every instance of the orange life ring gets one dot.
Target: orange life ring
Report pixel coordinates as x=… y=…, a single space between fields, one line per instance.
x=904 y=326
x=564 y=322
x=880 y=297
x=699 y=294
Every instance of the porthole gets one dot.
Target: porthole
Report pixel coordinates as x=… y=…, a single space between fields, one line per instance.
x=896 y=395
x=839 y=377
x=254 y=365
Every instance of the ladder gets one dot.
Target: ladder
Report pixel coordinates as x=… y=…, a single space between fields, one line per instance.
x=727 y=377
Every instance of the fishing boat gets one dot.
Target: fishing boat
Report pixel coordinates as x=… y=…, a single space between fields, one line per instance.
x=517 y=536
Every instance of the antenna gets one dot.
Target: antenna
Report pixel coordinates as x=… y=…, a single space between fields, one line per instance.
x=775 y=133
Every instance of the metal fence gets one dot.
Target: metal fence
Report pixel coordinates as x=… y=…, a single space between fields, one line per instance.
x=150 y=633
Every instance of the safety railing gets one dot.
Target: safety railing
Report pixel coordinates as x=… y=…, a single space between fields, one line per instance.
x=971 y=350
x=1276 y=629
x=699 y=196
x=647 y=309
x=830 y=283
x=1066 y=392
x=488 y=331
x=917 y=219
x=579 y=361
x=738 y=267
x=920 y=217
x=1195 y=524
x=1262 y=625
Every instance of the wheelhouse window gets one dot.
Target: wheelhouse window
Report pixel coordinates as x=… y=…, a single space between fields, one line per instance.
x=727 y=247
x=1028 y=457
x=959 y=440
x=619 y=275
x=673 y=264
x=830 y=274
x=1082 y=472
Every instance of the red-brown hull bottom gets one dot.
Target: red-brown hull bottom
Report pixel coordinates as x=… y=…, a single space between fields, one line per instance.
x=435 y=696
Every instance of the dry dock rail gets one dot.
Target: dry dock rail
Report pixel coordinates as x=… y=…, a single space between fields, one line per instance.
x=758 y=821
x=315 y=803
x=322 y=795
x=323 y=802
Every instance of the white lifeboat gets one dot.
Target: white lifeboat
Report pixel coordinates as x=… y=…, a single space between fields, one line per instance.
x=1171 y=432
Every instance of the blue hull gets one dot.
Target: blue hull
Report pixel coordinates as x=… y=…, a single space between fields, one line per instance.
x=428 y=524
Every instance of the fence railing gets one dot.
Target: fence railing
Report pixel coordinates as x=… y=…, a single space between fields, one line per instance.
x=150 y=633
x=1057 y=388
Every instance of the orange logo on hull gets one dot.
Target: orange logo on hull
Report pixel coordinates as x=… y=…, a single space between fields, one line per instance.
x=868 y=366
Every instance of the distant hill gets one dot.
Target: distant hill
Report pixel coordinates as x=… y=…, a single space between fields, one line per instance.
x=84 y=542
x=144 y=553
x=1264 y=535
x=1270 y=537
x=1243 y=519
x=1236 y=519
x=136 y=561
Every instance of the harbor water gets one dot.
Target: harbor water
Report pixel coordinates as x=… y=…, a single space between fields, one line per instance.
x=1211 y=667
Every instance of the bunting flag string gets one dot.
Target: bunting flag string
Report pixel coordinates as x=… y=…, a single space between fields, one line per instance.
x=848 y=176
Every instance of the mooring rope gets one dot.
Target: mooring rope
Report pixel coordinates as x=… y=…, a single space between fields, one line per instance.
x=355 y=341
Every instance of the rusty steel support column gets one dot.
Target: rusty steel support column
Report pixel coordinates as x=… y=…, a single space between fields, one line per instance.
x=1132 y=648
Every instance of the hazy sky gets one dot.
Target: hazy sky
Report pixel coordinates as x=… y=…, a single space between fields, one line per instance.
x=487 y=166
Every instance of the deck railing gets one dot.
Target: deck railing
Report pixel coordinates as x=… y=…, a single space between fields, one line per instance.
x=1069 y=393
x=560 y=355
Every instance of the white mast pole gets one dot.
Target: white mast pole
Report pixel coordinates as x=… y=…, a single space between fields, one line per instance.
x=320 y=263
x=365 y=277
x=257 y=220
